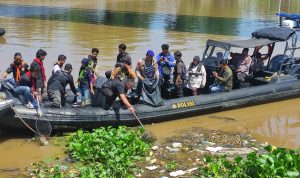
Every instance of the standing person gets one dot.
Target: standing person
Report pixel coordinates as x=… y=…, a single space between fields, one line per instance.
x=112 y=89
x=41 y=83
x=197 y=75
x=59 y=64
x=223 y=81
x=165 y=61
x=179 y=74
x=26 y=86
x=122 y=55
x=148 y=85
x=19 y=67
x=85 y=85
x=57 y=86
x=93 y=61
x=147 y=68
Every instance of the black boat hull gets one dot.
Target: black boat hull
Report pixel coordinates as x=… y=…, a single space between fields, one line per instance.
x=88 y=118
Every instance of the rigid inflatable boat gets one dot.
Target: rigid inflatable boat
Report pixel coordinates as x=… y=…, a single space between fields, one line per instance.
x=279 y=80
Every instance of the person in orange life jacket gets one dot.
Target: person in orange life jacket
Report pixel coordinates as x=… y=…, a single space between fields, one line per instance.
x=19 y=67
x=85 y=85
x=125 y=70
x=59 y=64
x=41 y=82
x=26 y=87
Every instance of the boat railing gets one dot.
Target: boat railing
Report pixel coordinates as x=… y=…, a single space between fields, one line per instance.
x=290 y=47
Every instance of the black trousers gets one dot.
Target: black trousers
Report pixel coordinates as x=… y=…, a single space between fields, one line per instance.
x=179 y=89
x=164 y=85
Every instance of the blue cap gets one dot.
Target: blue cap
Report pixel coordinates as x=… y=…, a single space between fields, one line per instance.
x=150 y=53
x=85 y=61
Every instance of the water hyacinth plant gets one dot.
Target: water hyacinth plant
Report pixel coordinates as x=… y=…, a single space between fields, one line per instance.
x=277 y=162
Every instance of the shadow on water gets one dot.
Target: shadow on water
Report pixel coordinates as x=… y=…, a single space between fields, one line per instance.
x=8 y=133
x=182 y=23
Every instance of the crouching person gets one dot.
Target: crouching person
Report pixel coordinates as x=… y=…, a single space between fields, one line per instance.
x=112 y=89
x=26 y=87
x=57 y=85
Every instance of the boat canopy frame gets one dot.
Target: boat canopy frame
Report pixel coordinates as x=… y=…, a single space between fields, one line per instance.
x=261 y=37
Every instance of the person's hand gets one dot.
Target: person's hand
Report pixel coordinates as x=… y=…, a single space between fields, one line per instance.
x=92 y=92
x=142 y=78
x=177 y=82
x=77 y=94
x=127 y=66
x=131 y=109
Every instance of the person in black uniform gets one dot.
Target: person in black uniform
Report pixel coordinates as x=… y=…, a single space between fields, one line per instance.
x=57 y=85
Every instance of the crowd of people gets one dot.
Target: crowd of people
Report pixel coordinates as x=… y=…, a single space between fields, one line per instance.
x=152 y=72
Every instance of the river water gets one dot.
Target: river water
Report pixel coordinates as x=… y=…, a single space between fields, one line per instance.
x=74 y=27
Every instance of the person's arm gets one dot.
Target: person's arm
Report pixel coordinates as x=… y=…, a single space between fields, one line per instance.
x=171 y=61
x=225 y=78
x=138 y=73
x=72 y=85
x=130 y=71
x=126 y=102
x=203 y=82
x=8 y=71
x=156 y=72
x=89 y=76
x=115 y=72
x=179 y=73
x=178 y=78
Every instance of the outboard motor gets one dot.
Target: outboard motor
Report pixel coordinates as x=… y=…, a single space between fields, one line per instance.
x=276 y=62
x=2 y=31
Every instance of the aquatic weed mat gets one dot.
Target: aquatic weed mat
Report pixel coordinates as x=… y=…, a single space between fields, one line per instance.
x=187 y=149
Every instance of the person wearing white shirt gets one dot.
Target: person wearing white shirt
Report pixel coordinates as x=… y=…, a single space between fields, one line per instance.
x=59 y=64
x=197 y=75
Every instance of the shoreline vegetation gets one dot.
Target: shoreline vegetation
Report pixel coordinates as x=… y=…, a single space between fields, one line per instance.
x=196 y=152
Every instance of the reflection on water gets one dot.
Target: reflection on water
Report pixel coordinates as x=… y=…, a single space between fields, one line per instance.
x=200 y=24
x=276 y=123
x=283 y=130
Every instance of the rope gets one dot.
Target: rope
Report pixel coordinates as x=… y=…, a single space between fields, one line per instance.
x=18 y=116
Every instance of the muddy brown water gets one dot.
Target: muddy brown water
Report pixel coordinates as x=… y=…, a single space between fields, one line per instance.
x=74 y=27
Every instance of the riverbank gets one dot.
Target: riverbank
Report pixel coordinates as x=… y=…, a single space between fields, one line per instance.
x=179 y=155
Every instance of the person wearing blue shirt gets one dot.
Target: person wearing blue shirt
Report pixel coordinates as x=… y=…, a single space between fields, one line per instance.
x=166 y=62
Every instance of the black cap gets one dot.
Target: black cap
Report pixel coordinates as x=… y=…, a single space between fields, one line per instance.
x=68 y=66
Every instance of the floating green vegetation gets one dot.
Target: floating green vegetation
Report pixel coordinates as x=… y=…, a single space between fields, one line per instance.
x=105 y=152
x=278 y=162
